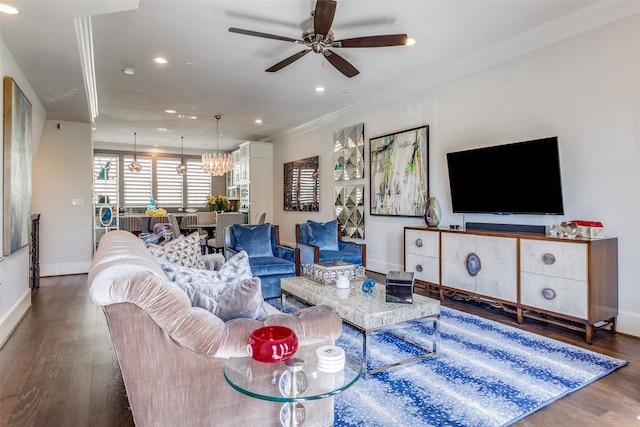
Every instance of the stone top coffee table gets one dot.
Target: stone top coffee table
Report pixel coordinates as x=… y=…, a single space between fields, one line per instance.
x=367 y=313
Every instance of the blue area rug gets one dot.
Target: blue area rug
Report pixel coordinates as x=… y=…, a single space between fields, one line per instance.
x=485 y=374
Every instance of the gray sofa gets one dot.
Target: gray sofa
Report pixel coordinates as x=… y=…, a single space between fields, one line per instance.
x=172 y=354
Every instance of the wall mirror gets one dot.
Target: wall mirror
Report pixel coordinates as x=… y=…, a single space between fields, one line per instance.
x=349 y=207
x=348 y=153
x=302 y=185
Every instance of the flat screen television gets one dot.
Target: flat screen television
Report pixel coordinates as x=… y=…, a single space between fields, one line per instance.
x=517 y=178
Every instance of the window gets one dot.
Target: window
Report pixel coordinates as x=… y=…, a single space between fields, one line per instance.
x=158 y=179
x=105 y=172
x=137 y=186
x=198 y=184
x=168 y=182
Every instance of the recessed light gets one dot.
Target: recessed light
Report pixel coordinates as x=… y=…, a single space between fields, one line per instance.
x=319 y=89
x=8 y=10
x=170 y=111
x=258 y=121
x=160 y=60
x=190 y=63
x=162 y=129
x=129 y=71
x=187 y=116
x=410 y=42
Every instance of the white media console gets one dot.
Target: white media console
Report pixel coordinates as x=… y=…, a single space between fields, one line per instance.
x=567 y=282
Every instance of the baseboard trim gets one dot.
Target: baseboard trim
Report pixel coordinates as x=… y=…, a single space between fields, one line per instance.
x=12 y=318
x=628 y=323
x=64 y=269
x=382 y=267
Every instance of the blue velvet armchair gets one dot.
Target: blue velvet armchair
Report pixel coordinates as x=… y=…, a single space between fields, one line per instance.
x=322 y=242
x=268 y=259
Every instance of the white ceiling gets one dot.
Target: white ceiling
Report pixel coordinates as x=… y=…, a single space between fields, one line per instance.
x=212 y=71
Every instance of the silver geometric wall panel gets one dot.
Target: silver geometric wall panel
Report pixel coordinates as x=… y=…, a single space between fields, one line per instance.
x=348 y=153
x=349 y=209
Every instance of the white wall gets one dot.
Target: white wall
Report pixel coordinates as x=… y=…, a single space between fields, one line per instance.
x=15 y=295
x=585 y=90
x=63 y=171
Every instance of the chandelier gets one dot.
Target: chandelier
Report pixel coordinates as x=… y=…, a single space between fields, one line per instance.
x=134 y=166
x=217 y=164
x=181 y=168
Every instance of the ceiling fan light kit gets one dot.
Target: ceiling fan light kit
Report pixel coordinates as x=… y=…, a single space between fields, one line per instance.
x=217 y=164
x=319 y=38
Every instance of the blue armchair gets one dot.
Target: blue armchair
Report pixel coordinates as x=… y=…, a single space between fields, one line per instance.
x=322 y=242
x=268 y=259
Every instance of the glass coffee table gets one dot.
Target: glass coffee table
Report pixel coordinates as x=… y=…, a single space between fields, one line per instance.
x=291 y=383
x=368 y=313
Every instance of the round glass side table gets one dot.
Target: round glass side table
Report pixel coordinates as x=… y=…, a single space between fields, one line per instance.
x=290 y=382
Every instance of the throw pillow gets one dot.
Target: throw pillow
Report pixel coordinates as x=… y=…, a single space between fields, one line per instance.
x=254 y=239
x=229 y=293
x=183 y=251
x=324 y=235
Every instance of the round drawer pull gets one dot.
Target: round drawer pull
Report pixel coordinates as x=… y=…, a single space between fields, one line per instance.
x=419 y=268
x=473 y=264
x=419 y=243
x=549 y=293
x=548 y=259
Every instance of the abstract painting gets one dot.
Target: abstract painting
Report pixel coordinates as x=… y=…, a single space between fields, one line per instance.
x=399 y=173
x=17 y=168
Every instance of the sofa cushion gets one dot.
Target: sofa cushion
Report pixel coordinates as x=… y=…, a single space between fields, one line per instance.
x=229 y=293
x=183 y=251
x=254 y=239
x=324 y=235
x=270 y=265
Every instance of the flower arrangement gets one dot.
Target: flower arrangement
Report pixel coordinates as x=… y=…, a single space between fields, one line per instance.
x=218 y=203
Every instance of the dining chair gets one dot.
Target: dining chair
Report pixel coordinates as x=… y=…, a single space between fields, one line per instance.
x=132 y=224
x=225 y=219
x=175 y=225
x=157 y=220
x=205 y=218
x=189 y=223
x=259 y=218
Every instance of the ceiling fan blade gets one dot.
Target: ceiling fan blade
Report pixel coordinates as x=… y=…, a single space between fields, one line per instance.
x=280 y=65
x=341 y=64
x=373 y=41
x=263 y=35
x=323 y=16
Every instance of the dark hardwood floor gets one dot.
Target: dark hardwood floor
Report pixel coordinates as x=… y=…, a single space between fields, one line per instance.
x=59 y=367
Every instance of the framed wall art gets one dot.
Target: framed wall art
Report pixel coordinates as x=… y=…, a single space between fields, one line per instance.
x=399 y=178
x=302 y=185
x=17 y=168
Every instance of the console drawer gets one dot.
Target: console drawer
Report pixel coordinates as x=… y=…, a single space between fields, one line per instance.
x=558 y=259
x=424 y=268
x=422 y=242
x=555 y=294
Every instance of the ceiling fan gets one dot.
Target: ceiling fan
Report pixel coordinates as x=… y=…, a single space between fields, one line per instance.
x=319 y=39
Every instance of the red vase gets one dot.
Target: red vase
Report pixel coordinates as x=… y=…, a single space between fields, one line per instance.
x=272 y=344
